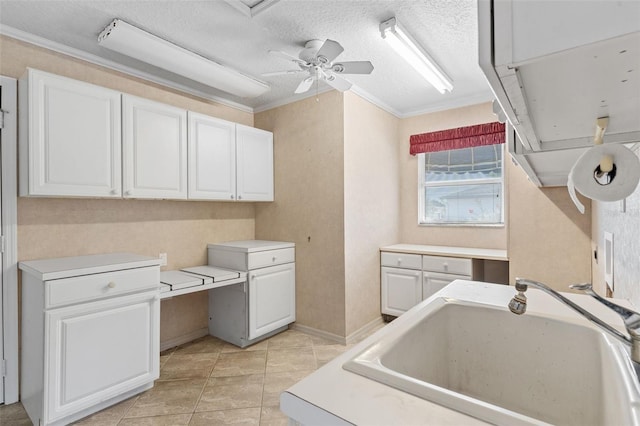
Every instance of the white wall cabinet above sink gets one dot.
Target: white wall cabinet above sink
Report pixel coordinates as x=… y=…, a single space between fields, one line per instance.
x=82 y=140
x=70 y=135
x=229 y=161
x=555 y=67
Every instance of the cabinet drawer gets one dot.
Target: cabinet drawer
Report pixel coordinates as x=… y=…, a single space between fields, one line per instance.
x=401 y=260
x=97 y=286
x=262 y=259
x=451 y=265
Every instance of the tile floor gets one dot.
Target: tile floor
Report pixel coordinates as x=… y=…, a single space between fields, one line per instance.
x=210 y=382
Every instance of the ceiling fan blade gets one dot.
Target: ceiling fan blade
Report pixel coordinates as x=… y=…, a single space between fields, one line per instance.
x=329 y=51
x=285 y=55
x=287 y=72
x=337 y=83
x=304 y=85
x=353 y=67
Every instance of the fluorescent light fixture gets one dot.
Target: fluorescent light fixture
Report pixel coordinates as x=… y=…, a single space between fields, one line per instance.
x=139 y=44
x=416 y=56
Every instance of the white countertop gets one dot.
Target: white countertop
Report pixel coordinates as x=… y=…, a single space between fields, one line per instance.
x=355 y=399
x=466 y=252
x=65 y=267
x=249 y=246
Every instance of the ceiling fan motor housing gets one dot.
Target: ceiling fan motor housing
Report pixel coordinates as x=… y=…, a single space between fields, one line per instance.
x=308 y=54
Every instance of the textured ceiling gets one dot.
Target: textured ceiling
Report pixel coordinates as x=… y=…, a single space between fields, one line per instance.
x=219 y=30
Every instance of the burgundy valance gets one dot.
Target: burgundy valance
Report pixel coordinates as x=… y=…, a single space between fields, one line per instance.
x=462 y=137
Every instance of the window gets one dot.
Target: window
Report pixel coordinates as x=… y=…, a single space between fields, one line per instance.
x=462 y=186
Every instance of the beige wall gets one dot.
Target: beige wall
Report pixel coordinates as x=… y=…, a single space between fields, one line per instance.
x=549 y=240
x=309 y=204
x=371 y=204
x=410 y=231
x=66 y=227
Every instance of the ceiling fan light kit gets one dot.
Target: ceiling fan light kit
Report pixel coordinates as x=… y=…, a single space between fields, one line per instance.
x=129 y=40
x=406 y=46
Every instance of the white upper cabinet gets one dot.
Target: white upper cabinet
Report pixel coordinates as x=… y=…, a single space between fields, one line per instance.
x=229 y=161
x=212 y=158
x=70 y=138
x=254 y=152
x=82 y=140
x=154 y=146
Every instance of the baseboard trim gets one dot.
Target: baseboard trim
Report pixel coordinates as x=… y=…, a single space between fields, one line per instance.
x=185 y=338
x=364 y=331
x=354 y=337
x=318 y=333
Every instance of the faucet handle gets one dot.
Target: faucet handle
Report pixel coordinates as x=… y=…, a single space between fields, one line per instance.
x=630 y=318
x=581 y=287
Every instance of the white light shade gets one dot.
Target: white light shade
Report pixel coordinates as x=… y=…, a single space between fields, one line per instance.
x=131 y=41
x=411 y=52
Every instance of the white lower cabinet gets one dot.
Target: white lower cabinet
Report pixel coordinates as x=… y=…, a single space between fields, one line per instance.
x=272 y=298
x=246 y=313
x=80 y=355
x=407 y=278
x=432 y=282
x=401 y=290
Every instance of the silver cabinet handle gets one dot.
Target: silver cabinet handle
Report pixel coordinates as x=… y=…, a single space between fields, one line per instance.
x=273 y=259
x=232 y=196
x=114 y=191
x=253 y=277
x=399 y=261
x=239 y=197
x=127 y=192
x=111 y=284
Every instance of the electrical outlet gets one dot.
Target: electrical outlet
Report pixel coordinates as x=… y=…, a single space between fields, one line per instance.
x=163 y=259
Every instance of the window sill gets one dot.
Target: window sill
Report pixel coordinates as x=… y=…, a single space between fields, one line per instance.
x=462 y=225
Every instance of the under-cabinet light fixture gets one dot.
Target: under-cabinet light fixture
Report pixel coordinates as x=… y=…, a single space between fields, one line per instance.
x=415 y=55
x=124 y=38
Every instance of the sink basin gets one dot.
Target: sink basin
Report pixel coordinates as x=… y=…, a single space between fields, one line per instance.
x=484 y=361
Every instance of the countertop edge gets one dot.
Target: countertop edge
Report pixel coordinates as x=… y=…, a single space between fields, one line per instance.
x=73 y=266
x=464 y=252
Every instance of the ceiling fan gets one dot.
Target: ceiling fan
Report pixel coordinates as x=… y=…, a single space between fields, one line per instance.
x=316 y=60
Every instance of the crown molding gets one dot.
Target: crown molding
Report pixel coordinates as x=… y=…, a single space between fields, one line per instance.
x=291 y=99
x=473 y=99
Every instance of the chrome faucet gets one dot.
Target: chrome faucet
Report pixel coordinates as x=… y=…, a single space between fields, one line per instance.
x=631 y=319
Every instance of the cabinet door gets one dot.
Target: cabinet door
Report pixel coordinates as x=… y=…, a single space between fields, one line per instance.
x=272 y=298
x=99 y=350
x=401 y=290
x=154 y=149
x=212 y=158
x=254 y=151
x=433 y=282
x=70 y=138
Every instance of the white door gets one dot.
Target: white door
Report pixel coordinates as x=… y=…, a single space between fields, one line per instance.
x=1 y=264
x=71 y=142
x=272 y=298
x=212 y=158
x=254 y=151
x=154 y=149
x=99 y=350
x=401 y=290
x=8 y=258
